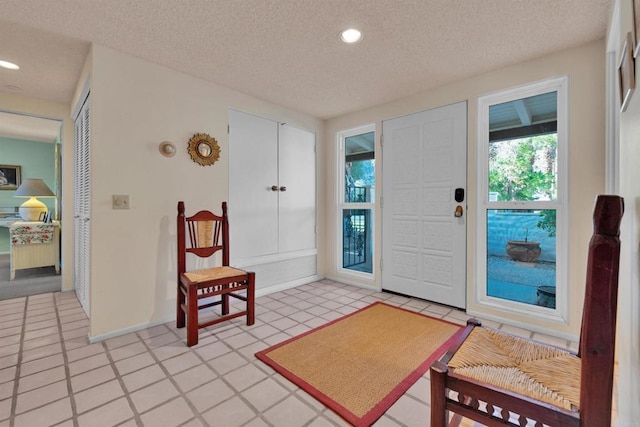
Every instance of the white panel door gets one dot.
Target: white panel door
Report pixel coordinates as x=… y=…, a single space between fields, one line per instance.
x=424 y=243
x=297 y=189
x=253 y=170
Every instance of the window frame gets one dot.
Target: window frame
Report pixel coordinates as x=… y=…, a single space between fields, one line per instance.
x=341 y=204
x=560 y=314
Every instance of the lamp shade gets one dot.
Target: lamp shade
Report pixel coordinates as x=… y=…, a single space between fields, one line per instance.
x=33 y=188
x=32 y=208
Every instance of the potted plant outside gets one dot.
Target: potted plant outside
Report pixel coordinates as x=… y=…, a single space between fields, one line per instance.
x=523 y=250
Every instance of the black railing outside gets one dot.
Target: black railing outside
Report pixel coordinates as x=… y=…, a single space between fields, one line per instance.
x=355 y=194
x=356 y=229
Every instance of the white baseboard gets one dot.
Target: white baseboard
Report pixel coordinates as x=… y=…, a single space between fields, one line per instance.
x=284 y=286
x=259 y=293
x=125 y=331
x=347 y=281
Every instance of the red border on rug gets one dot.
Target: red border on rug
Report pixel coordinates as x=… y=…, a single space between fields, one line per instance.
x=381 y=407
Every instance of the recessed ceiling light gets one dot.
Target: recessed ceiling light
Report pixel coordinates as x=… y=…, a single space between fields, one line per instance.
x=8 y=65
x=351 y=35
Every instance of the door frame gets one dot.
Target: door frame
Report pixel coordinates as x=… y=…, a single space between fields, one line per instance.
x=57 y=187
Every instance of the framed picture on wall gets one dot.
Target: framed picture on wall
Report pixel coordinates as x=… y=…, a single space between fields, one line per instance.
x=9 y=177
x=626 y=72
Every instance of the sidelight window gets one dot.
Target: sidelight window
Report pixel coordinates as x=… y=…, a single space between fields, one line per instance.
x=522 y=178
x=356 y=199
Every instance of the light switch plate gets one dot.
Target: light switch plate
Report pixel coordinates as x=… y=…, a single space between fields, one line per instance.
x=120 y=201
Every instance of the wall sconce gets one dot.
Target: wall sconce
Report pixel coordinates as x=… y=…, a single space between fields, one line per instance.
x=167 y=149
x=32 y=208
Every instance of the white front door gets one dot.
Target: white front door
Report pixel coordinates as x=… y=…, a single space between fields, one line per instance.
x=424 y=184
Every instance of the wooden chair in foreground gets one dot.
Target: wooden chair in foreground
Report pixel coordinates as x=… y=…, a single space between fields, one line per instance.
x=499 y=379
x=209 y=233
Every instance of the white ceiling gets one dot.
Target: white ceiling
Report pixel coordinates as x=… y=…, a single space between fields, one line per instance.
x=287 y=51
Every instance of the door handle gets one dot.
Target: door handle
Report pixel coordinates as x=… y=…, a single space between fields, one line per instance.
x=274 y=188
x=458 y=212
x=283 y=188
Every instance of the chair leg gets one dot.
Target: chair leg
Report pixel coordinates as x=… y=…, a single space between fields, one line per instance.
x=251 y=299
x=192 y=316
x=225 y=304
x=438 y=399
x=180 y=316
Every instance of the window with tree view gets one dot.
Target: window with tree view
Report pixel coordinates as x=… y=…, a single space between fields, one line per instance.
x=522 y=199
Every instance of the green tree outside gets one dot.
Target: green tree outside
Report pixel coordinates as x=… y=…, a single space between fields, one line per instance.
x=523 y=169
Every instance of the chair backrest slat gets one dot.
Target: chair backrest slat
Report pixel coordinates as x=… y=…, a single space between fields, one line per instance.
x=207 y=234
x=192 y=234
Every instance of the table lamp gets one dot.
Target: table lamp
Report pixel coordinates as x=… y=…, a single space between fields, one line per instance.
x=32 y=208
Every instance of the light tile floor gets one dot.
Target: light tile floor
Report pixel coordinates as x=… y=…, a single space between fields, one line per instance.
x=50 y=375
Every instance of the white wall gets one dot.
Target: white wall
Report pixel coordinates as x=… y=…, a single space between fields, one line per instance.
x=134 y=106
x=628 y=175
x=585 y=67
x=37 y=107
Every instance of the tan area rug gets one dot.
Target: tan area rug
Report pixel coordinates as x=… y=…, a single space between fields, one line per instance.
x=360 y=364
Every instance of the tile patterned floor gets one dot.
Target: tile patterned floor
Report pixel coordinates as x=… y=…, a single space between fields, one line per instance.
x=51 y=376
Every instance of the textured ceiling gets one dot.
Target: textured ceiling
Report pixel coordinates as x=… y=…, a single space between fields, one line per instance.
x=287 y=51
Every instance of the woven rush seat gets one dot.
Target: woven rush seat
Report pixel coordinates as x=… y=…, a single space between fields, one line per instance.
x=532 y=369
x=215 y=273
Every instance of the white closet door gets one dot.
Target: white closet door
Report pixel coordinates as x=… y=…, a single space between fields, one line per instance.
x=424 y=244
x=297 y=185
x=82 y=213
x=253 y=170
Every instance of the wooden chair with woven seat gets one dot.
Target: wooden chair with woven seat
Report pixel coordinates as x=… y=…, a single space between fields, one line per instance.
x=498 y=379
x=209 y=233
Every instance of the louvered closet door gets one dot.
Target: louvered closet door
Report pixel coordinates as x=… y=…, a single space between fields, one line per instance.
x=82 y=206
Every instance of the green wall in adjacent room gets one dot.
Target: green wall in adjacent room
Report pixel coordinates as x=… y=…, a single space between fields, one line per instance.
x=36 y=160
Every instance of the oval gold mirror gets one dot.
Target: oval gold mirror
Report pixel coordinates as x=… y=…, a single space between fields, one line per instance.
x=203 y=149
